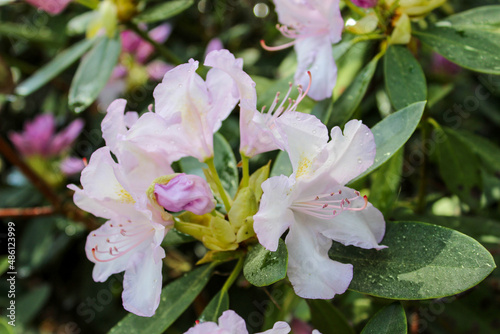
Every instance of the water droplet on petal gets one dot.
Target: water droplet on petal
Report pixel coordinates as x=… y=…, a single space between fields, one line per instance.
x=359 y=160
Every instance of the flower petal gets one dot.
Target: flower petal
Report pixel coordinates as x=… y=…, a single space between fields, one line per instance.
x=232 y=322
x=274 y=215
x=142 y=282
x=303 y=136
x=279 y=327
x=312 y=273
x=64 y=139
x=314 y=54
x=349 y=154
x=364 y=228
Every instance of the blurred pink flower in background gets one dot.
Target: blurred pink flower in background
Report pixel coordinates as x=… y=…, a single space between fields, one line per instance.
x=39 y=137
x=50 y=6
x=365 y=3
x=443 y=66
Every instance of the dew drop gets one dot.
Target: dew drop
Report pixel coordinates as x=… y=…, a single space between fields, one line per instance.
x=359 y=160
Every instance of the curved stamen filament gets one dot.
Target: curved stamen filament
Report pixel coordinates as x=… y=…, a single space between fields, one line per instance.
x=276 y=48
x=328 y=205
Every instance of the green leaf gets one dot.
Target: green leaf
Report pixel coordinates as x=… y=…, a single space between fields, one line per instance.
x=263 y=267
x=386 y=182
x=28 y=32
x=31 y=303
x=4 y=264
x=94 y=72
x=191 y=165
x=404 y=77
x=282 y=165
x=393 y=132
x=481 y=18
x=327 y=319
x=78 y=24
x=214 y=309
x=5 y=328
x=485 y=149
x=225 y=163
x=389 y=320
x=175 y=237
x=163 y=11
x=458 y=166
x=344 y=107
x=422 y=261
x=175 y=298
x=474 y=49
x=53 y=68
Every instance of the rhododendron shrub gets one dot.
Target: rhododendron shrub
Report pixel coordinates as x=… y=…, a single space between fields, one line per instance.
x=297 y=166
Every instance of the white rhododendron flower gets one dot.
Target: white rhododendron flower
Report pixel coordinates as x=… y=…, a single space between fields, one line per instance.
x=316 y=206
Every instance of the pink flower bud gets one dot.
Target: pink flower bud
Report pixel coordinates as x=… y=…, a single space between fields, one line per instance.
x=365 y=3
x=185 y=192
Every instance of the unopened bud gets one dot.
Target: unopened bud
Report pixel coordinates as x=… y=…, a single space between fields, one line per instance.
x=185 y=193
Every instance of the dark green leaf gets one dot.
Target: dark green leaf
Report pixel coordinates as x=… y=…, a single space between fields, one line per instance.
x=28 y=32
x=175 y=237
x=175 y=298
x=458 y=166
x=214 y=309
x=477 y=50
x=422 y=261
x=393 y=132
x=94 y=72
x=54 y=67
x=487 y=151
x=282 y=165
x=347 y=103
x=404 y=78
x=225 y=163
x=30 y=304
x=481 y=18
x=190 y=165
x=389 y=320
x=263 y=267
x=385 y=183
x=163 y=11
x=327 y=319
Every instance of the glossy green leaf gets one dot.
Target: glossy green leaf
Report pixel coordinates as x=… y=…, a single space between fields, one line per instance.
x=94 y=72
x=225 y=163
x=393 y=132
x=175 y=298
x=327 y=319
x=282 y=165
x=163 y=11
x=386 y=182
x=191 y=165
x=344 y=107
x=404 y=77
x=480 y=18
x=214 y=309
x=389 y=320
x=458 y=166
x=54 y=67
x=422 y=261
x=474 y=49
x=263 y=267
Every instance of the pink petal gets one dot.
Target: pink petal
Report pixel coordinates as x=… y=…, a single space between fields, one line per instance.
x=214 y=44
x=39 y=133
x=157 y=69
x=232 y=322
x=64 y=139
x=50 y=6
x=279 y=327
x=71 y=166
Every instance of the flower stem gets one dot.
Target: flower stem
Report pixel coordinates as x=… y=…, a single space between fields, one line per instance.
x=355 y=8
x=166 y=53
x=218 y=183
x=245 y=171
x=367 y=37
x=234 y=274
